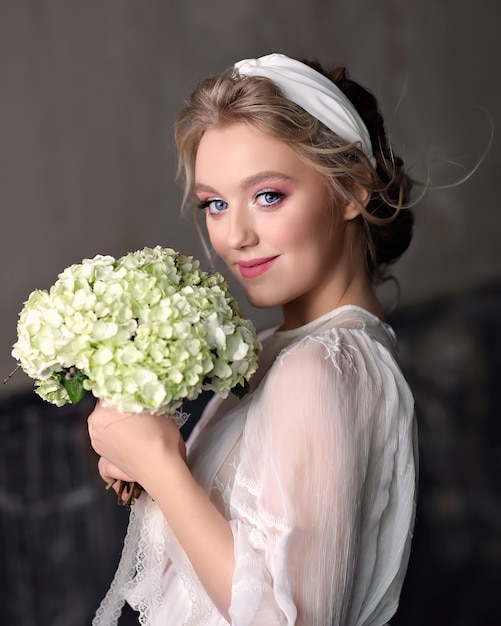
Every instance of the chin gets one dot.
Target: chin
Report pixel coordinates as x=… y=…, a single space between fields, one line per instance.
x=261 y=301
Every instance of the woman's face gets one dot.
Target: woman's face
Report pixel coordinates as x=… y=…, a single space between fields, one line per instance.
x=269 y=217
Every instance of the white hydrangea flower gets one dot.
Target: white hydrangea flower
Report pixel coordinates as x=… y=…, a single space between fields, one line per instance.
x=143 y=333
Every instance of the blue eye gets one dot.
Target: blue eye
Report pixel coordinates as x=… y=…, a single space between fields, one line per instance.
x=214 y=205
x=269 y=198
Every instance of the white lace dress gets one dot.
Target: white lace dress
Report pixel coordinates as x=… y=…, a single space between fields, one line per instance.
x=316 y=471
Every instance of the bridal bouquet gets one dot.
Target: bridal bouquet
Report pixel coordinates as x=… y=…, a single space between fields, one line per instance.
x=143 y=333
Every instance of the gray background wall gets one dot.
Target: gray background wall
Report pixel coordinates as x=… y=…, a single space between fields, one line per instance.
x=89 y=91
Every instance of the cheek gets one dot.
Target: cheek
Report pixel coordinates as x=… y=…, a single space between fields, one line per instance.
x=216 y=238
x=323 y=227
x=302 y=233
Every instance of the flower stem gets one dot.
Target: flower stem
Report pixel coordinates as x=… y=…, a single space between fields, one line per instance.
x=6 y=380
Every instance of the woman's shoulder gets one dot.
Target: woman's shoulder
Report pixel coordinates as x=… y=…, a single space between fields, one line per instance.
x=348 y=348
x=342 y=331
x=340 y=363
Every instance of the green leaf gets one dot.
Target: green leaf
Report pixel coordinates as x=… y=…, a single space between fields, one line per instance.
x=241 y=389
x=73 y=383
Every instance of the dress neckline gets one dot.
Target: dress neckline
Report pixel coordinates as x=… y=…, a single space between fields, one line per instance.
x=364 y=316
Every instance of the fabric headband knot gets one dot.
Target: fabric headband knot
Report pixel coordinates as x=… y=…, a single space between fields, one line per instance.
x=314 y=92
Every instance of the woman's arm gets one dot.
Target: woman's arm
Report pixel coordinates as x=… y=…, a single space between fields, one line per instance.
x=303 y=489
x=150 y=450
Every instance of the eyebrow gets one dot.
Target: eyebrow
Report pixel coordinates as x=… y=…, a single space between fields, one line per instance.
x=250 y=181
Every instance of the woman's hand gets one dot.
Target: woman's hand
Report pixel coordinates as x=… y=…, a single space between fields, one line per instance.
x=124 y=485
x=110 y=472
x=132 y=445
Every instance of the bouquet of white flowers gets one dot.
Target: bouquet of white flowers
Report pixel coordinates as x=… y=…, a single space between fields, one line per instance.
x=143 y=333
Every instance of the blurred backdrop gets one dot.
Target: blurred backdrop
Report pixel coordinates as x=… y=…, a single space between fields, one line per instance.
x=89 y=92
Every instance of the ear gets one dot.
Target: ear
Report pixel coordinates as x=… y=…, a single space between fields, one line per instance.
x=352 y=209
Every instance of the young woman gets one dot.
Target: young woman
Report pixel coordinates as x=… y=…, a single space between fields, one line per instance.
x=294 y=505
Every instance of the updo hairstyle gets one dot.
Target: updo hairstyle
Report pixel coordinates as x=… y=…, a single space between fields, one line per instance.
x=228 y=98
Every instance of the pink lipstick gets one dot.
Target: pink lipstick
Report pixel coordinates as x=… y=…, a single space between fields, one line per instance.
x=255 y=267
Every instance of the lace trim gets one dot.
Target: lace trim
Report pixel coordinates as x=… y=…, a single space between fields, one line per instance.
x=264 y=518
x=144 y=593
x=148 y=546
x=337 y=347
x=248 y=483
x=224 y=491
x=139 y=573
x=202 y=607
x=246 y=586
x=248 y=559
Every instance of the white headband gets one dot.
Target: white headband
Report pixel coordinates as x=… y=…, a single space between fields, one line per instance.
x=314 y=92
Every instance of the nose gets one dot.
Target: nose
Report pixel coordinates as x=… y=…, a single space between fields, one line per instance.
x=241 y=229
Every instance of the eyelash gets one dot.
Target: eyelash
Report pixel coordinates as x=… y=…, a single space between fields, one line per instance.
x=205 y=204
x=279 y=197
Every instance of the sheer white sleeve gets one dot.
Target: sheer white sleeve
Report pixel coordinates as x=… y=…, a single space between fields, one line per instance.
x=324 y=490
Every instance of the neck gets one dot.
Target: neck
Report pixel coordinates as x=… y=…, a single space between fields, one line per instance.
x=348 y=284
x=359 y=292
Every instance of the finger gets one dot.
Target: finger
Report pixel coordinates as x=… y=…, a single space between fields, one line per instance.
x=109 y=471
